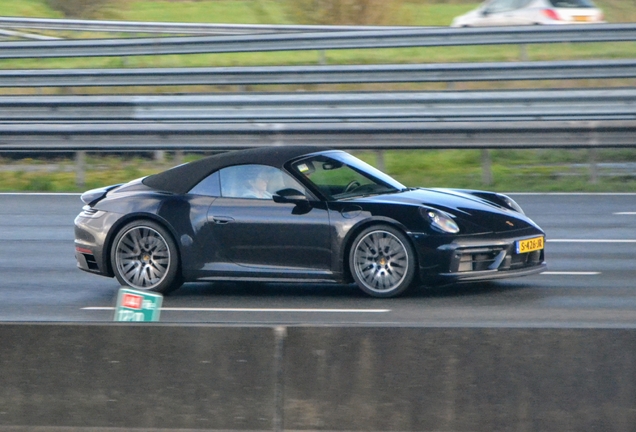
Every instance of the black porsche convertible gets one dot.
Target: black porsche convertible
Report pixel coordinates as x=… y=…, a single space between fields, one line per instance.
x=300 y=214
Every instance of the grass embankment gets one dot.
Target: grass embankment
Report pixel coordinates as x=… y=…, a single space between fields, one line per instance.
x=276 y=12
x=513 y=170
x=529 y=170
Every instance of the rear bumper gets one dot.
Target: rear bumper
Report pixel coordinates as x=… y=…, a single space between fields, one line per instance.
x=91 y=252
x=86 y=259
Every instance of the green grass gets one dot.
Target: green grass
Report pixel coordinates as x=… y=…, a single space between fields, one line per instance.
x=378 y=56
x=434 y=14
x=59 y=175
x=28 y=8
x=226 y=12
x=513 y=170
x=275 y=12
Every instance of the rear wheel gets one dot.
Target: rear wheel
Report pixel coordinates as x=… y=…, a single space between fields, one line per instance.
x=145 y=257
x=382 y=261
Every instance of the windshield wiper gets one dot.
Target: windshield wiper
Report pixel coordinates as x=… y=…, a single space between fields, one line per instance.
x=383 y=192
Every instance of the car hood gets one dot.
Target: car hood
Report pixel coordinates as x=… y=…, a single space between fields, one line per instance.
x=474 y=213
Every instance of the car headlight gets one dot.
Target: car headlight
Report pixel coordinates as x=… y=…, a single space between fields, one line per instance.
x=510 y=203
x=441 y=221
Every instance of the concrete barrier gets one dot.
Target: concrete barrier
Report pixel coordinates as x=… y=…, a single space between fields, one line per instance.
x=105 y=377
x=463 y=379
x=137 y=376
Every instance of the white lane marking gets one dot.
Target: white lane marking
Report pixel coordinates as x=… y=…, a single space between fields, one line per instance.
x=186 y=309
x=590 y=241
x=40 y=193
x=571 y=273
x=625 y=213
x=507 y=193
x=573 y=193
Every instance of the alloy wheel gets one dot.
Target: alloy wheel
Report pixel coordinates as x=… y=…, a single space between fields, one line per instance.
x=142 y=257
x=381 y=261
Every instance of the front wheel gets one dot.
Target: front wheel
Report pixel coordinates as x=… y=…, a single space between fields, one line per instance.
x=145 y=257
x=382 y=261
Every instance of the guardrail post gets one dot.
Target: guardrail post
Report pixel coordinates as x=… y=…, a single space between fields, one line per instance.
x=160 y=156
x=486 y=167
x=80 y=168
x=523 y=52
x=322 y=57
x=178 y=157
x=379 y=160
x=592 y=157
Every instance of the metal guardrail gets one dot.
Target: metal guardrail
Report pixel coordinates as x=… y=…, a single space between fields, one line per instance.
x=588 y=104
x=171 y=27
x=10 y=34
x=319 y=41
x=444 y=72
x=504 y=119
x=399 y=135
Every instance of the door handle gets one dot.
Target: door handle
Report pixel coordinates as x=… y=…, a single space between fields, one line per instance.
x=222 y=219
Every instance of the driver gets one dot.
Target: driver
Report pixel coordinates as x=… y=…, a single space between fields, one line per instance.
x=257 y=185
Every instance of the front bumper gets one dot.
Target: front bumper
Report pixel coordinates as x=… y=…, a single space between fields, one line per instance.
x=485 y=275
x=483 y=257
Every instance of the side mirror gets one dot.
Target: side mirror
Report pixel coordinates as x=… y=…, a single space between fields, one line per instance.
x=289 y=195
x=485 y=12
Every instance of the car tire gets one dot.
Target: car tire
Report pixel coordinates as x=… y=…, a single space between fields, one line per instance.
x=144 y=256
x=382 y=261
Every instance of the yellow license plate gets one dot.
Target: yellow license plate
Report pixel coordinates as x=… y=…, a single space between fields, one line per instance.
x=529 y=245
x=581 y=18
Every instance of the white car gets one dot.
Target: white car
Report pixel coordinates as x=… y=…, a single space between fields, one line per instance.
x=530 y=12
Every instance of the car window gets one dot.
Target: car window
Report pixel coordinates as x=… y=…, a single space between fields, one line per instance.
x=209 y=186
x=572 y=3
x=518 y=4
x=344 y=176
x=501 y=6
x=255 y=181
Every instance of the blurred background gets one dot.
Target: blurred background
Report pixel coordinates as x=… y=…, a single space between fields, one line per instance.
x=610 y=169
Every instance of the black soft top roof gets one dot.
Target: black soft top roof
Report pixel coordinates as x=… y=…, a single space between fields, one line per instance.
x=182 y=178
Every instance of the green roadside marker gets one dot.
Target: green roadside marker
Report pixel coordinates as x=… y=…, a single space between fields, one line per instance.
x=137 y=306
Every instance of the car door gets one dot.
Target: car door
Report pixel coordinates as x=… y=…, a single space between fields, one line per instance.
x=522 y=13
x=498 y=13
x=259 y=234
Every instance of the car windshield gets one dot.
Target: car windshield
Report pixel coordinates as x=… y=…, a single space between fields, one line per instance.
x=572 y=3
x=339 y=175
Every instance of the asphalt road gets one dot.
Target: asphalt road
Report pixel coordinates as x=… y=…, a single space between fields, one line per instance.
x=590 y=282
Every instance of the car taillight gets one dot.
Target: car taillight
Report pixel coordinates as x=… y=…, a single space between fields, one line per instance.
x=551 y=14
